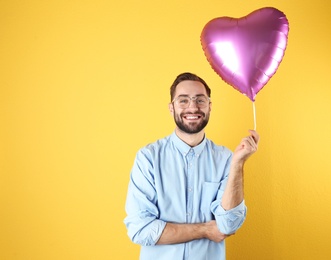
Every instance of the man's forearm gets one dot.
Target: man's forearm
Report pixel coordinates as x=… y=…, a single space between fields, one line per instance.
x=182 y=233
x=234 y=191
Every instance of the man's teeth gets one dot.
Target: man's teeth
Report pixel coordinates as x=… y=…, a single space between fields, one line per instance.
x=192 y=117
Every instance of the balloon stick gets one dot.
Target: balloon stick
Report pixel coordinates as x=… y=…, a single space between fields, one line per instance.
x=254 y=113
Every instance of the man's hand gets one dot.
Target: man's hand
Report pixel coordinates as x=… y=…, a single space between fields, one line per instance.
x=213 y=233
x=246 y=148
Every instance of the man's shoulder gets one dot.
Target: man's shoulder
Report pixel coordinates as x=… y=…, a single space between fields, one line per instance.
x=217 y=148
x=156 y=145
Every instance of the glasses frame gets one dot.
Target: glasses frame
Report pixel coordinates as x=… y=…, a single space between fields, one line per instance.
x=194 y=98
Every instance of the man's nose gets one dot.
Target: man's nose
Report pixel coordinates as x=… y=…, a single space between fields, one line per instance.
x=193 y=103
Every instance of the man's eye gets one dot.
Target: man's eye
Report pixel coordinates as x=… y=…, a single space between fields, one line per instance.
x=201 y=101
x=183 y=101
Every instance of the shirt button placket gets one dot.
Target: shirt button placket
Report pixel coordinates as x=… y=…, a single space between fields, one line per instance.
x=189 y=189
x=189 y=194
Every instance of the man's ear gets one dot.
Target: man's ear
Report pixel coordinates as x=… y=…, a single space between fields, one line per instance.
x=171 y=108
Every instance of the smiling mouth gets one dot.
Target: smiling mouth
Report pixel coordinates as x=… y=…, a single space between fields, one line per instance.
x=192 y=117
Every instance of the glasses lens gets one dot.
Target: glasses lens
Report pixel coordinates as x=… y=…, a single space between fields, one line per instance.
x=183 y=102
x=201 y=101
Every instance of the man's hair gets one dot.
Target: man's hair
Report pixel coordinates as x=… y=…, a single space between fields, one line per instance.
x=187 y=76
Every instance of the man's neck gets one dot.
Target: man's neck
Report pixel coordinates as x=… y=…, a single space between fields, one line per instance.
x=191 y=139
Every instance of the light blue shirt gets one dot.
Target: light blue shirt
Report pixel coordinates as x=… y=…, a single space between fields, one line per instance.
x=173 y=182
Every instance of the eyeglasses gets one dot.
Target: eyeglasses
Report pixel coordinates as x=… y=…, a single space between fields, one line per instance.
x=184 y=101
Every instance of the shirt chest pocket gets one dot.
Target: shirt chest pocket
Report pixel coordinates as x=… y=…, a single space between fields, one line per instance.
x=208 y=195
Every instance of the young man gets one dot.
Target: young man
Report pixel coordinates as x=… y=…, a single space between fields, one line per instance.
x=186 y=193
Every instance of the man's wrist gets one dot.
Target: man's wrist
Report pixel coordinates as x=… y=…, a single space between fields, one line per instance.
x=237 y=165
x=200 y=230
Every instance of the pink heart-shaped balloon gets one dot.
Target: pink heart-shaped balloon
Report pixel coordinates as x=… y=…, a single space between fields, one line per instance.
x=247 y=51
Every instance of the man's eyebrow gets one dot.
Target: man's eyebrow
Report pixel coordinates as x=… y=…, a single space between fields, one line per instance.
x=185 y=95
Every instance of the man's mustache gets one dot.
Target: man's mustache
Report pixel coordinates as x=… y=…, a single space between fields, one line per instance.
x=195 y=113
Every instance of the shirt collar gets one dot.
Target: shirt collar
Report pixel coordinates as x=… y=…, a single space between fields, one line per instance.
x=184 y=148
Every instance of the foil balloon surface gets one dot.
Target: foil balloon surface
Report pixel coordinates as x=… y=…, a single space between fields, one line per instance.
x=246 y=52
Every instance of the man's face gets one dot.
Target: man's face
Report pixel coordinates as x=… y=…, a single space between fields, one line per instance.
x=192 y=119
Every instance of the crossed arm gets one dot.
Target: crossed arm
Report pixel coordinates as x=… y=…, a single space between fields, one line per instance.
x=181 y=233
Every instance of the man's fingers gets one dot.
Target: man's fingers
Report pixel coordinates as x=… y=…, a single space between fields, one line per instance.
x=255 y=136
x=249 y=142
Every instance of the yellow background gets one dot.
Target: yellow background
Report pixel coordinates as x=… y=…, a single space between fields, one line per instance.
x=85 y=84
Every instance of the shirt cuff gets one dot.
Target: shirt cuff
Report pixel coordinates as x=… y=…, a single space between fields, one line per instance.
x=157 y=227
x=220 y=209
x=228 y=221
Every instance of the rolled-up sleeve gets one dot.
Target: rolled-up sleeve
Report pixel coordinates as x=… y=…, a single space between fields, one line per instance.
x=229 y=221
x=142 y=221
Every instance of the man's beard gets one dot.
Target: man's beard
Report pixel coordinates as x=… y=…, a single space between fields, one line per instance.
x=193 y=127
